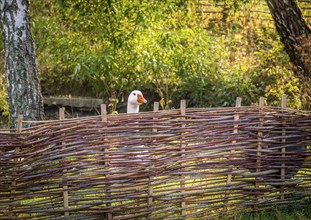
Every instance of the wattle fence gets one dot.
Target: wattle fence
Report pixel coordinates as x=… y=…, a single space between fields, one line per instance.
x=176 y=164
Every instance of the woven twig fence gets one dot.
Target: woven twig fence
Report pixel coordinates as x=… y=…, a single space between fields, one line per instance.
x=176 y=164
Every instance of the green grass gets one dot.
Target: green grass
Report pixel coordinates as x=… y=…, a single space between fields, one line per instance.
x=293 y=213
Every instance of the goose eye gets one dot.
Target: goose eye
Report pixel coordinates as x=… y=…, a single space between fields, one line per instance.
x=134 y=93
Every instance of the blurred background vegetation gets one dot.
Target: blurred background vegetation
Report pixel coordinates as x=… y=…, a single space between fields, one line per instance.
x=208 y=52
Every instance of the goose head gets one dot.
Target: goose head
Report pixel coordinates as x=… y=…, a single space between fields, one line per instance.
x=135 y=99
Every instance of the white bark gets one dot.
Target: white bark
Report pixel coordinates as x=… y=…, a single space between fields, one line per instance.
x=20 y=63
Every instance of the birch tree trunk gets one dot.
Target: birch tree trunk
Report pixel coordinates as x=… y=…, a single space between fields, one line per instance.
x=294 y=32
x=24 y=91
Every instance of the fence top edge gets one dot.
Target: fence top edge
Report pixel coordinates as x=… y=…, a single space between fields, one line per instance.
x=171 y=111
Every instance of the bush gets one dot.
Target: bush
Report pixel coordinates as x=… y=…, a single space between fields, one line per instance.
x=107 y=49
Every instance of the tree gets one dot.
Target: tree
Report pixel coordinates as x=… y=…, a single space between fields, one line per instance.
x=294 y=32
x=24 y=91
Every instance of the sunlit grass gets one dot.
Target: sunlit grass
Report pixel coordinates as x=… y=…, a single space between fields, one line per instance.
x=275 y=213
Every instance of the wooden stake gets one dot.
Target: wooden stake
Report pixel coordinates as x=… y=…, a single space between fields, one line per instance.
x=65 y=182
x=103 y=112
x=260 y=134
x=259 y=146
x=259 y=149
x=284 y=101
x=232 y=152
x=19 y=128
x=238 y=102
x=151 y=178
x=61 y=113
x=283 y=149
x=182 y=149
x=261 y=102
x=19 y=124
x=156 y=107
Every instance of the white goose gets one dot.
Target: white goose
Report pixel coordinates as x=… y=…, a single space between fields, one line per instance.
x=135 y=99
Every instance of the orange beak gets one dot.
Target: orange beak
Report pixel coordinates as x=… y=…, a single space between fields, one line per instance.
x=141 y=99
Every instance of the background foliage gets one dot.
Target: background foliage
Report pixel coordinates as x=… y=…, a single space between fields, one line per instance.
x=169 y=49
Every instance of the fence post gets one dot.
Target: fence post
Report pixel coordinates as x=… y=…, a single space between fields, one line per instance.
x=259 y=149
x=103 y=113
x=182 y=149
x=19 y=128
x=151 y=178
x=229 y=175
x=283 y=149
x=65 y=181
x=19 y=124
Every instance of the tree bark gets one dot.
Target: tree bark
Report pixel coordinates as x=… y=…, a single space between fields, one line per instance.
x=24 y=92
x=294 y=32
